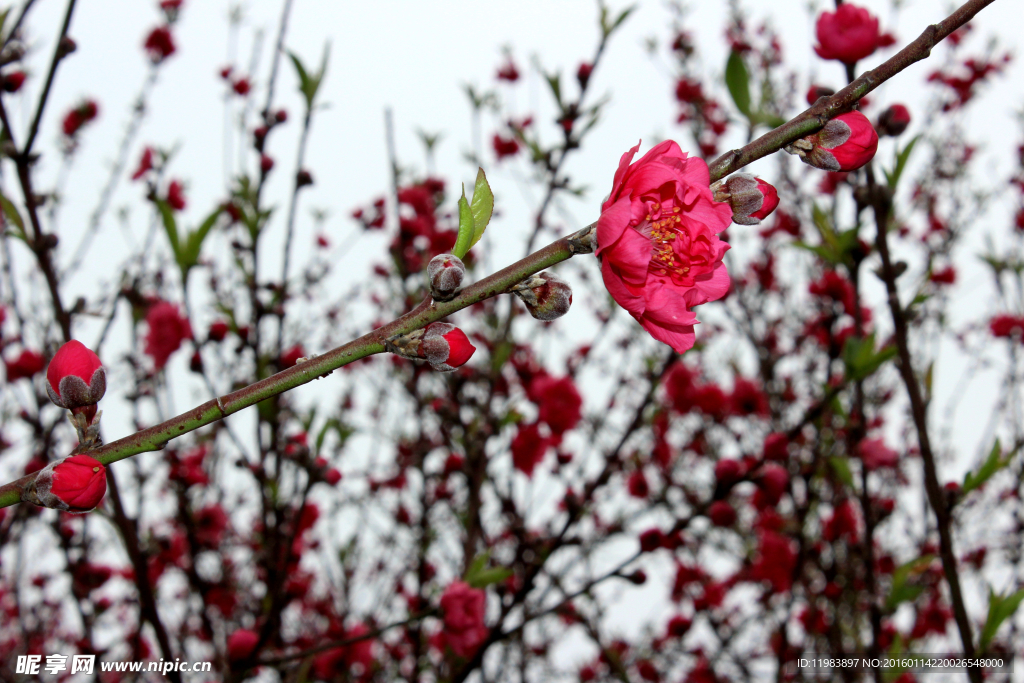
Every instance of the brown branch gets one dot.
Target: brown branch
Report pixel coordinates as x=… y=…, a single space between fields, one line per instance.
x=828 y=108
x=881 y=203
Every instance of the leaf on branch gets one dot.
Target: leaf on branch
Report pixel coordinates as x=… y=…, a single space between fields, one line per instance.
x=861 y=359
x=993 y=463
x=309 y=84
x=12 y=215
x=737 y=79
x=1000 y=608
x=480 y=576
x=902 y=590
x=482 y=206
x=902 y=156
x=467 y=227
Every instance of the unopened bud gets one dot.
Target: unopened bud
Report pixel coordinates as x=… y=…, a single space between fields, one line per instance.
x=445 y=273
x=751 y=199
x=443 y=345
x=75 y=377
x=446 y=347
x=66 y=46
x=74 y=484
x=303 y=178
x=546 y=296
x=846 y=143
x=816 y=92
x=894 y=120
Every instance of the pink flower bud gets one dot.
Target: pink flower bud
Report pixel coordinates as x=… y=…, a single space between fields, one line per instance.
x=546 y=296
x=750 y=198
x=721 y=513
x=75 y=377
x=218 y=330
x=74 y=484
x=848 y=34
x=445 y=273
x=816 y=92
x=13 y=81
x=846 y=143
x=894 y=120
x=583 y=73
x=445 y=347
x=242 y=645
x=266 y=163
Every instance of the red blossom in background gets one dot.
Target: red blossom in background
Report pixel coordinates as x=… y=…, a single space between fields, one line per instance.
x=508 y=71
x=848 y=34
x=658 y=260
x=167 y=329
x=463 y=609
x=528 y=448
x=145 y=163
x=25 y=366
x=75 y=119
x=176 y=195
x=1005 y=325
x=558 y=402
x=159 y=44
x=504 y=147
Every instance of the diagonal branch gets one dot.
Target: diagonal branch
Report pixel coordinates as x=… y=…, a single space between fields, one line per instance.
x=825 y=109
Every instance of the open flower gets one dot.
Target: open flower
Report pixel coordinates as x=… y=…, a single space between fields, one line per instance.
x=658 y=242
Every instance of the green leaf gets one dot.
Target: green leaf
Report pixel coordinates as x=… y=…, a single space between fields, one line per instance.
x=555 y=83
x=901 y=590
x=3 y=20
x=12 y=215
x=309 y=83
x=738 y=81
x=861 y=359
x=901 y=161
x=479 y=576
x=482 y=206
x=489 y=576
x=841 y=466
x=1000 y=608
x=607 y=28
x=824 y=225
x=478 y=564
x=194 y=243
x=993 y=463
x=171 y=228
x=467 y=227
